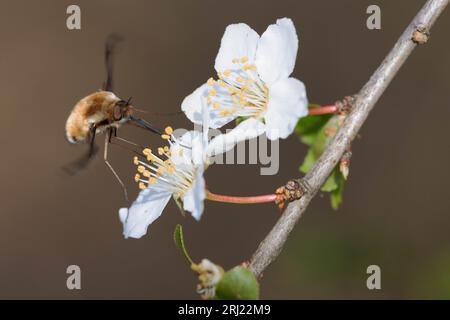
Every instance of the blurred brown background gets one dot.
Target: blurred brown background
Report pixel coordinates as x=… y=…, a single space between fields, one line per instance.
x=396 y=207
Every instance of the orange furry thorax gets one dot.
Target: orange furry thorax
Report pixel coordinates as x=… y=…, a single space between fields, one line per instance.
x=90 y=110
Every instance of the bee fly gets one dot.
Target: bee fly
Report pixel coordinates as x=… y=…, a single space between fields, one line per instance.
x=102 y=112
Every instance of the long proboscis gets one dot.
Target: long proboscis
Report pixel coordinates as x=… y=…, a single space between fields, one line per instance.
x=159 y=114
x=141 y=123
x=145 y=125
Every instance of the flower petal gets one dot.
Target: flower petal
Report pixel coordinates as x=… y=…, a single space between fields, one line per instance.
x=189 y=149
x=239 y=40
x=181 y=150
x=192 y=104
x=247 y=129
x=146 y=209
x=194 y=197
x=287 y=104
x=277 y=51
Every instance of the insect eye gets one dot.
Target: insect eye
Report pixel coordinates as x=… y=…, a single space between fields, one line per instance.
x=117 y=112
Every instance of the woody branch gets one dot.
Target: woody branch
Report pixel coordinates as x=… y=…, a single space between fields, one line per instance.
x=416 y=33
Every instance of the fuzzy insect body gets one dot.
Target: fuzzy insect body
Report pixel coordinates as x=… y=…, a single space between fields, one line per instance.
x=102 y=110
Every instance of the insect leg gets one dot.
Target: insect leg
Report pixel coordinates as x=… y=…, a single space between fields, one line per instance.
x=105 y=158
x=80 y=164
x=127 y=148
x=129 y=142
x=92 y=147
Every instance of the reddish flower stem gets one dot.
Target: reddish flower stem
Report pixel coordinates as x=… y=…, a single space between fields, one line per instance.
x=240 y=200
x=322 y=110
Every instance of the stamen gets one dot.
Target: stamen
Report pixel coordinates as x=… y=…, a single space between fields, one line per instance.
x=249 y=67
x=168 y=130
x=160 y=169
x=146 y=174
x=141 y=169
x=245 y=93
x=244 y=59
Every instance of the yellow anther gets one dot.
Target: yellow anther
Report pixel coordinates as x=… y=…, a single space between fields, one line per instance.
x=227 y=73
x=244 y=59
x=165 y=137
x=160 y=171
x=166 y=149
x=208 y=99
x=146 y=174
x=168 y=130
x=151 y=158
x=239 y=79
x=171 y=169
x=160 y=151
x=212 y=92
x=140 y=169
x=211 y=82
x=152 y=180
x=137 y=177
x=147 y=151
x=249 y=67
x=142 y=185
x=136 y=160
x=216 y=105
x=222 y=83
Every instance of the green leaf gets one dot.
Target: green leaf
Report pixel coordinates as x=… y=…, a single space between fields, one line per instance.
x=308 y=162
x=331 y=184
x=307 y=128
x=336 y=196
x=238 y=283
x=316 y=132
x=179 y=241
